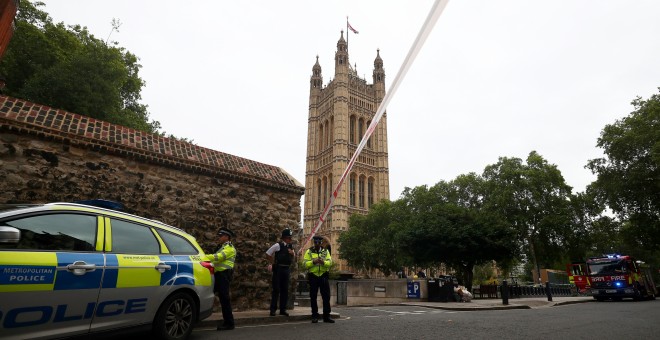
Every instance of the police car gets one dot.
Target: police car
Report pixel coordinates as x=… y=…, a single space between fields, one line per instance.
x=71 y=269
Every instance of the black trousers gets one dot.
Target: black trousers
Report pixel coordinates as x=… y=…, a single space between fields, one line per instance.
x=222 y=281
x=322 y=283
x=280 y=288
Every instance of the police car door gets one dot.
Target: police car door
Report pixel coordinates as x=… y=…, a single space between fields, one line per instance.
x=50 y=279
x=136 y=274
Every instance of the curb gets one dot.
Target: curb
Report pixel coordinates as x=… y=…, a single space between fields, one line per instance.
x=262 y=320
x=561 y=303
x=472 y=308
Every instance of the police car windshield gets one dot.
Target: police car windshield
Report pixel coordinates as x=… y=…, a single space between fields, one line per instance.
x=608 y=268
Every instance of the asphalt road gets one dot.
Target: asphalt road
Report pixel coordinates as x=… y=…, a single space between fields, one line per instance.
x=595 y=320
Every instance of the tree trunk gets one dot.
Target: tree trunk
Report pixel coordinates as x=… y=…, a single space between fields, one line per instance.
x=534 y=261
x=470 y=276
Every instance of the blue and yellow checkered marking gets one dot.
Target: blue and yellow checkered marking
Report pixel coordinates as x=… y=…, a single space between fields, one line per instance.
x=18 y=274
x=167 y=277
x=13 y=263
x=111 y=271
x=67 y=280
x=48 y=271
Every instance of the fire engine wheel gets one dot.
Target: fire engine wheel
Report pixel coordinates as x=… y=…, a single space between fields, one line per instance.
x=599 y=298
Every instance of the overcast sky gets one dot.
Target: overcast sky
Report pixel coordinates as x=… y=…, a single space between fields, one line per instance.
x=494 y=79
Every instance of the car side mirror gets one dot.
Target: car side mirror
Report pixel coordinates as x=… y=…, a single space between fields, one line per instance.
x=9 y=234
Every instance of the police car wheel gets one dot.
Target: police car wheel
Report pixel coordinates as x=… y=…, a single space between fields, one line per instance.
x=175 y=318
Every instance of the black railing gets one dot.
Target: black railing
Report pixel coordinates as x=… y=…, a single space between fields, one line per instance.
x=516 y=291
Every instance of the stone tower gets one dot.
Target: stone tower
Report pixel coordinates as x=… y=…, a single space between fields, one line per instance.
x=339 y=114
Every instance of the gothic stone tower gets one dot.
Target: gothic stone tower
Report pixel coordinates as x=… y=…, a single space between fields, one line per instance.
x=339 y=114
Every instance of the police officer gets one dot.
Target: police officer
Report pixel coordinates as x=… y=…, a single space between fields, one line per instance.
x=317 y=260
x=280 y=256
x=223 y=262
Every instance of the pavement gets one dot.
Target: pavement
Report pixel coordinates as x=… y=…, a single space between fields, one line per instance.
x=259 y=317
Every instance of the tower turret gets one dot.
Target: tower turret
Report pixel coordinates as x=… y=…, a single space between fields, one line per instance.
x=316 y=80
x=379 y=76
x=341 y=56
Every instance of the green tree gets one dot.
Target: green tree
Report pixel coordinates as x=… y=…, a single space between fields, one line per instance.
x=628 y=176
x=66 y=67
x=483 y=274
x=534 y=199
x=448 y=225
x=372 y=240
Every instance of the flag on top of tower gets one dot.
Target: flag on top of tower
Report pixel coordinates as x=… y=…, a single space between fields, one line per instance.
x=351 y=27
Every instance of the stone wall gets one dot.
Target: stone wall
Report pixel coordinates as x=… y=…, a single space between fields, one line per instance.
x=49 y=155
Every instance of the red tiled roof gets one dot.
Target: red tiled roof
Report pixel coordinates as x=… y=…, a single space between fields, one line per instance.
x=27 y=117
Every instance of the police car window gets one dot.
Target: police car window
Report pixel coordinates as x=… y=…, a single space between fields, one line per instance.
x=132 y=238
x=73 y=232
x=177 y=244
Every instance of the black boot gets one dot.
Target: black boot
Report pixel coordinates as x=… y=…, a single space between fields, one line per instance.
x=225 y=327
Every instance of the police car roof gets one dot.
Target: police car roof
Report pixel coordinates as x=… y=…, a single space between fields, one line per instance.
x=13 y=206
x=38 y=207
x=110 y=210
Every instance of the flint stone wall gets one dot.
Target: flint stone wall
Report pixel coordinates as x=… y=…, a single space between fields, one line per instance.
x=50 y=163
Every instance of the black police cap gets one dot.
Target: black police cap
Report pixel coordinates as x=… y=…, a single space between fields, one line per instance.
x=225 y=231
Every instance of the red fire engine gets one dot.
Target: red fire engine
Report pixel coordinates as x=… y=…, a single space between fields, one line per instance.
x=577 y=275
x=619 y=276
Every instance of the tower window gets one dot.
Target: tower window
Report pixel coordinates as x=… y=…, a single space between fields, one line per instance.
x=351 y=194
x=318 y=196
x=360 y=129
x=351 y=130
x=332 y=131
x=369 y=140
x=370 y=192
x=325 y=191
x=361 y=192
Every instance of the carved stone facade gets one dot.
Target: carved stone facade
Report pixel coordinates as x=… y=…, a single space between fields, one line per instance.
x=339 y=114
x=49 y=155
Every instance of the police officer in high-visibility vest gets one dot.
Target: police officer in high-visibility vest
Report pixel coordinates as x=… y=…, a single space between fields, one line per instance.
x=223 y=262
x=318 y=261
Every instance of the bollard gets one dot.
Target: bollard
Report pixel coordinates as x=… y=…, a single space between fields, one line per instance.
x=547 y=290
x=505 y=293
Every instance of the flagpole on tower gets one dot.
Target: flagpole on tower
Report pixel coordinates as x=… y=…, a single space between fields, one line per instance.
x=347 y=31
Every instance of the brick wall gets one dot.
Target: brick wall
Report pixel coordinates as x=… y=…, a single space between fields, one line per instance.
x=49 y=155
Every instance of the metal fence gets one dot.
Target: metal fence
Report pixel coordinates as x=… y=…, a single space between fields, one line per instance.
x=516 y=291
